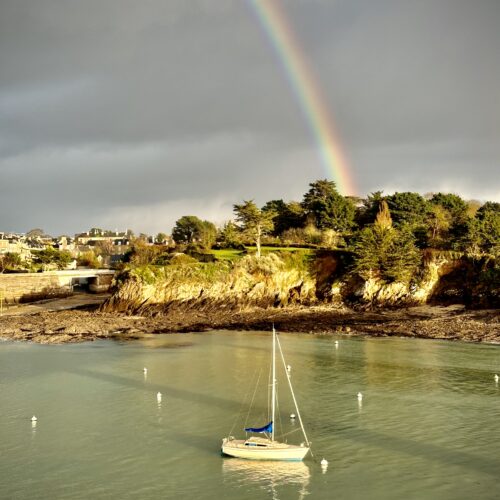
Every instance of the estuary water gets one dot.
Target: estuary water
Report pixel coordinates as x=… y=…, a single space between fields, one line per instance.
x=428 y=425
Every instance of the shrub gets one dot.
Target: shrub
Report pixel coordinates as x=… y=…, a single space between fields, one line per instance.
x=10 y=262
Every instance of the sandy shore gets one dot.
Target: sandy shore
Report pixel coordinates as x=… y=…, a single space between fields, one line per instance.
x=76 y=319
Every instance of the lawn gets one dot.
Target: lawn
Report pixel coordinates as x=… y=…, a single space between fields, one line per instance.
x=231 y=254
x=227 y=254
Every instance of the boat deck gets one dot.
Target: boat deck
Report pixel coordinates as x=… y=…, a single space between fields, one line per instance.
x=260 y=442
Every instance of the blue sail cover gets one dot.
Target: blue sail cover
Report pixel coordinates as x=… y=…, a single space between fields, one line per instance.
x=266 y=428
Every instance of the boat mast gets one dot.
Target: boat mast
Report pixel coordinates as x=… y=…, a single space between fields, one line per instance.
x=273 y=394
x=293 y=394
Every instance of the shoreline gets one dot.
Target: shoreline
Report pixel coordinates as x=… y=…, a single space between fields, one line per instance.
x=67 y=325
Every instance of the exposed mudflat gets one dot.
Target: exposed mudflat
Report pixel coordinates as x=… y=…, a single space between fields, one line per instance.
x=46 y=323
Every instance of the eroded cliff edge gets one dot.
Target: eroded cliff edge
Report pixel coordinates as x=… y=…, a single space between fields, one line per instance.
x=284 y=280
x=453 y=299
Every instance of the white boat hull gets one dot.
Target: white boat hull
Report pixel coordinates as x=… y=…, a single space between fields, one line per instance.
x=263 y=449
x=266 y=448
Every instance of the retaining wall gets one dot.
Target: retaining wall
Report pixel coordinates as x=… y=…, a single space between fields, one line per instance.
x=28 y=287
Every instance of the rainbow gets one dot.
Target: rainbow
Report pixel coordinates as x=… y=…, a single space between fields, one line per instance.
x=307 y=92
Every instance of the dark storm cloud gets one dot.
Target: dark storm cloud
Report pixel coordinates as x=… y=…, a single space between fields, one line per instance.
x=130 y=114
x=414 y=86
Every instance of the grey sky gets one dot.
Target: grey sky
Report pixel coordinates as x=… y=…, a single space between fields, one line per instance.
x=126 y=114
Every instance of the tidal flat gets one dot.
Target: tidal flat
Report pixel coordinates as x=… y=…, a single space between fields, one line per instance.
x=46 y=325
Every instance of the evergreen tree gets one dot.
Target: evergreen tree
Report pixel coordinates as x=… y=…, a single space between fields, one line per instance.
x=255 y=222
x=229 y=236
x=287 y=215
x=407 y=208
x=455 y=205
x=384 y=251
x=190 y=229
x=448 y=218
x=439 y=220
x=481 y=234
x=50 y=255
x=368 y=210
x=328 y=208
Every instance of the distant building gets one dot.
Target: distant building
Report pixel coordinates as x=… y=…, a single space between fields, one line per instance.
x=64 y=243
x=111 y=246
x=15 y=243
x=92 y=239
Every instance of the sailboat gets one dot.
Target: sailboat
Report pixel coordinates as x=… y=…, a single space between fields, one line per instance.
x=266 y=448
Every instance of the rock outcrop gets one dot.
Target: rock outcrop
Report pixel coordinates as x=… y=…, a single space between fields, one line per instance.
x=265 y=282
x=279 y=281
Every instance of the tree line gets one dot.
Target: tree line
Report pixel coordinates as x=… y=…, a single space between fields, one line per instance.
x=326 y=218
x=385 y=233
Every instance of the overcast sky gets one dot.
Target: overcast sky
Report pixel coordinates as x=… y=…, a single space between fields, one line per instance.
x=129 y=114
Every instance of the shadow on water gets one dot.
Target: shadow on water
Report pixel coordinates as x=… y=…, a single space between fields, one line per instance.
x=227 y=404
x=206 y=444
x=427 y=451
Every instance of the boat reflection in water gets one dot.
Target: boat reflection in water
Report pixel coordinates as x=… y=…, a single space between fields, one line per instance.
x=268 y=476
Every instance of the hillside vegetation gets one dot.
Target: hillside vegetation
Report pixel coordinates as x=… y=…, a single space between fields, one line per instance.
x=395 y=250
x=281 y=280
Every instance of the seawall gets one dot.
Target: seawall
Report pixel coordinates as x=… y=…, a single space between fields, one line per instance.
x=27 y=287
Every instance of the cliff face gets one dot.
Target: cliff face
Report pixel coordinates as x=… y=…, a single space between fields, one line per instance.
x=444 y=278
x=376 y=292
x=276 y=281
x=265 y=282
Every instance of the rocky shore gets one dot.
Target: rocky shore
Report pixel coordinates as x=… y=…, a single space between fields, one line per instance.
x=296 y=294
x=62 y=326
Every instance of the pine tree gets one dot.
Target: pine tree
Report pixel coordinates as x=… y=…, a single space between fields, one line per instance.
x=255 y=222
x=384 y=251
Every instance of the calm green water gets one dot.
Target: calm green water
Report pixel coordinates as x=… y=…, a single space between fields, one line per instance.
x=428 y=426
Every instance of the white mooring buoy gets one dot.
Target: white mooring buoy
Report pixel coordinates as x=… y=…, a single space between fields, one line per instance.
x=360 y=396
x=496 y=378
x=33 y=418
x=158 y=397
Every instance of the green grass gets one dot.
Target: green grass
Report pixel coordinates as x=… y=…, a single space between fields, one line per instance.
x=232 y=255
x=264 y=249
x=227 y=254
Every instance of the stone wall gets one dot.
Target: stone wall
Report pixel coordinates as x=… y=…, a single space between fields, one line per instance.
x=27 y=287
